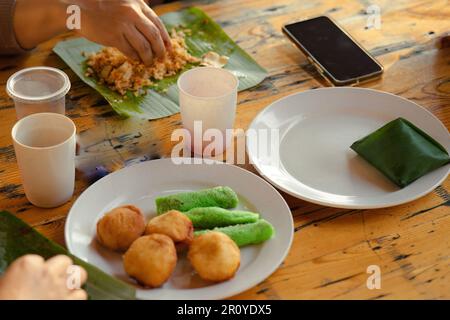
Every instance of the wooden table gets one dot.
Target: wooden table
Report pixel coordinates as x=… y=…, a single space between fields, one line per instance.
x=332 y=247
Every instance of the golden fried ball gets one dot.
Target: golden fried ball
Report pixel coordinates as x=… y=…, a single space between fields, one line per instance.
x=120 y=227
x=173 y=224
x=214 y=256
x=151 y=260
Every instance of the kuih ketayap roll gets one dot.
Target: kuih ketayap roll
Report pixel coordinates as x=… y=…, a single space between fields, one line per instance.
x=212 y=217
x=246 y=234
x=223 y=197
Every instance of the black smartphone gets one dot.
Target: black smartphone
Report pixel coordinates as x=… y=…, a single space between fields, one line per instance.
x=335 y=54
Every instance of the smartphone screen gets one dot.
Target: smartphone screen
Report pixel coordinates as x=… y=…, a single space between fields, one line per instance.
x=339 y=57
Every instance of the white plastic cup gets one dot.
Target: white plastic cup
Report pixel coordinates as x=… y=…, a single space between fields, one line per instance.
x=45 y=145
x=38 y=89
x=208 y=96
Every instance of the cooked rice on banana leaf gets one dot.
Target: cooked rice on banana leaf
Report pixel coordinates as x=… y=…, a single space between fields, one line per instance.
x=120 y=73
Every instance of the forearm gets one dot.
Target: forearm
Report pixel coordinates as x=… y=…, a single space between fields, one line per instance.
x=37 y=21
x=129 y=25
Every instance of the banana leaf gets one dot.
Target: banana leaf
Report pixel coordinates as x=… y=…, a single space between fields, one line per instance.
x=17 y=239
x=161 y=99
x=402 y=152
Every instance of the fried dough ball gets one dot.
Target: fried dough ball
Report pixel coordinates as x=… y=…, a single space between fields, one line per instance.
x=214 y=256
x=120 y=227
x=151 y=260
x=173 y=224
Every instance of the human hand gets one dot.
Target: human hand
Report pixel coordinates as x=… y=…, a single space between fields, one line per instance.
x=32 y=278
x=129 y=25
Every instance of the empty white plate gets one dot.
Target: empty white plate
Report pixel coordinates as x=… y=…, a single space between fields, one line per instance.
x=311 y=157
x=140 y=184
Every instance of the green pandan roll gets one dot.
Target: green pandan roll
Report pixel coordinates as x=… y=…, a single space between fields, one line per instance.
x=223 y=197
x=212 y=217
x=246 y=234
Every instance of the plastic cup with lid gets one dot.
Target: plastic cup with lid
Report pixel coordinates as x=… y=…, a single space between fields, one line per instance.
x=38 y=89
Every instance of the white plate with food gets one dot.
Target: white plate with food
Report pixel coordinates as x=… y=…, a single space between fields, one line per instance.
x=312 y=159
x=236 y=196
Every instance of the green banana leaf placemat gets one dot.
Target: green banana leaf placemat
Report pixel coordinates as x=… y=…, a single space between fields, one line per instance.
x=17 y=239
x=162 y=98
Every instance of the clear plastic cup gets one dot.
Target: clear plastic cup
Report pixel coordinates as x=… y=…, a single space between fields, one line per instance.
x=208 y=98
x=38 y=89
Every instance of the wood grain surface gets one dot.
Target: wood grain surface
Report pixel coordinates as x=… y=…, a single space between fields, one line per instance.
x=332 y=247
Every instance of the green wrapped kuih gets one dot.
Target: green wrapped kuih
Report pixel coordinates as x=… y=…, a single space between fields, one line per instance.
x=212 y=217
x=402 y=152
x=223 y=197
x=246 y=234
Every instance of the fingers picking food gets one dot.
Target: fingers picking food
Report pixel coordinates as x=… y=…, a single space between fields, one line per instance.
x=121 y=74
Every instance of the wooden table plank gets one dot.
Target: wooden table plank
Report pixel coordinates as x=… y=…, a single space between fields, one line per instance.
x=332 y=247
